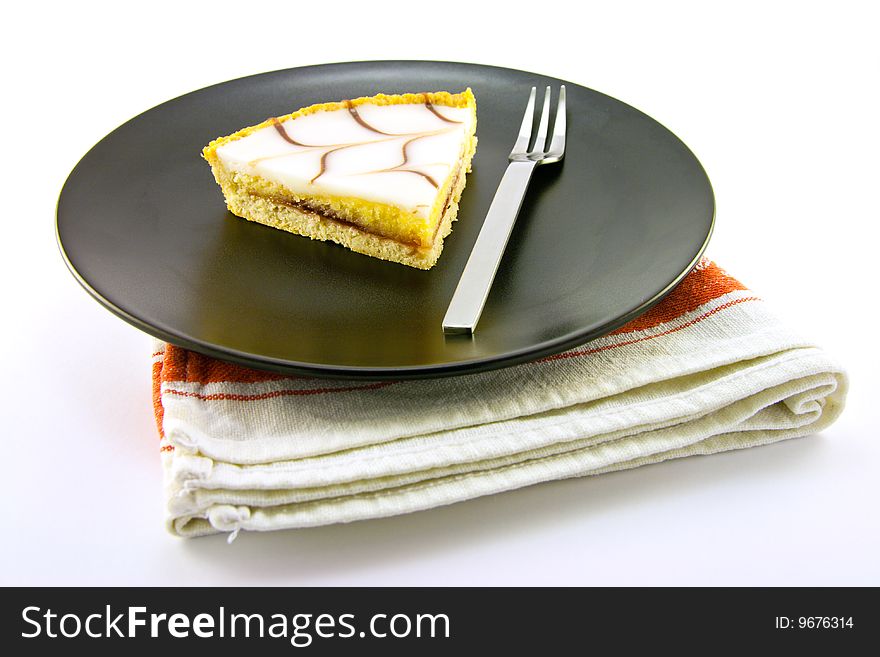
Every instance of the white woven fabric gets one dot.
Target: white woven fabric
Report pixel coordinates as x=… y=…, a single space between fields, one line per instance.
x=284 y=453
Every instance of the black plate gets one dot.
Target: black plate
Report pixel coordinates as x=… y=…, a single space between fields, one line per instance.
x=599 y=239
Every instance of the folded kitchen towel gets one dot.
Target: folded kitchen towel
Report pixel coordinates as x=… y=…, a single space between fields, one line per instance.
x=706 y=370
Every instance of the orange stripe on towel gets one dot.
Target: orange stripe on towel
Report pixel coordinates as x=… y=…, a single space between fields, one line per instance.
x=287 y=392
x=695 y=320
x=191 y=367
x=705 y=283
x=158 y=409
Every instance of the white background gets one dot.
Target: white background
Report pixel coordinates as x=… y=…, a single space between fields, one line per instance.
x=778 y=100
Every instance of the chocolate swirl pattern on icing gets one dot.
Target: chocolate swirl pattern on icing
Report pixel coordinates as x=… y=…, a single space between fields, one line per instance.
x=286 y=137
x=357 y=117
x=345 y=149
x=430 y=106
x=353 y=112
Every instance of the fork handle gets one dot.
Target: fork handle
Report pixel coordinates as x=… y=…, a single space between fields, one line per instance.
x=476 y=280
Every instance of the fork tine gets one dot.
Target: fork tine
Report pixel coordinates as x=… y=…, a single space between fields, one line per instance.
x=557 y=143
x=541 y=137
x=525 y=131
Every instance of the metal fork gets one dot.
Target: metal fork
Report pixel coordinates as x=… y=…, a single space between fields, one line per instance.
x=476 y=280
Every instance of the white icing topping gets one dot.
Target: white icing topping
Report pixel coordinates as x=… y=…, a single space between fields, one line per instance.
x=359 y=161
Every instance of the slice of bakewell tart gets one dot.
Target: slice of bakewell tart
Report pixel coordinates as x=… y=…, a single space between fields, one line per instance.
x=381 y=175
